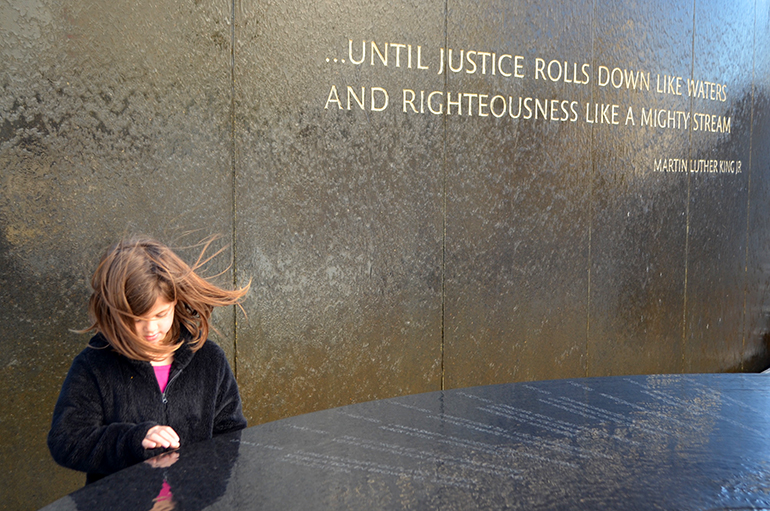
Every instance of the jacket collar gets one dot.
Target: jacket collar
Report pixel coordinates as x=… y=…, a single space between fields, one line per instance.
x=182 y=356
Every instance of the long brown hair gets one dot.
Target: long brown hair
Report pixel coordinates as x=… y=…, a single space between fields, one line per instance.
x=132 y=275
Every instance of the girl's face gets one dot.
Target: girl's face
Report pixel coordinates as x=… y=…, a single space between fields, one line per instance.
x=155 y=325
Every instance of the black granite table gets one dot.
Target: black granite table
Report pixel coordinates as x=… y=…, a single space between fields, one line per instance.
x=672 y=442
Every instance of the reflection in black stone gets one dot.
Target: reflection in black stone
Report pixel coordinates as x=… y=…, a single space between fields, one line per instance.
x=166 y=482
x=644 y=442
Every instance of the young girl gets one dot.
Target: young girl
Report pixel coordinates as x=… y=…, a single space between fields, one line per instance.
x=149 y=379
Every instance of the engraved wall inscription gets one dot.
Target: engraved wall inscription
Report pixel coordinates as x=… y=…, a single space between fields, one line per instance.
x=514 y=103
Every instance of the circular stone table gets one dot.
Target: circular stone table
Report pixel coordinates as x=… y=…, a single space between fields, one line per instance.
x=673 y=442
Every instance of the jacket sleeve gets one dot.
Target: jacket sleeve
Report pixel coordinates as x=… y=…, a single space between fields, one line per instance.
x=80 y=440
x=228 y=415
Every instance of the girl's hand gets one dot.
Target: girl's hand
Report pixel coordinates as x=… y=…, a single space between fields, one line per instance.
x=161 y=436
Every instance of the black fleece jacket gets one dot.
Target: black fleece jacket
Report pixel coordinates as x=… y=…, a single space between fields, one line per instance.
x=108 y=403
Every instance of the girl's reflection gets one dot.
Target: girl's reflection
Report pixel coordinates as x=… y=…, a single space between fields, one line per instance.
x=190 y=479
x=165 y=499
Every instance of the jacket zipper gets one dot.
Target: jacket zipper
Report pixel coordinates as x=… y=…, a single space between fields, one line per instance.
x=163 y=394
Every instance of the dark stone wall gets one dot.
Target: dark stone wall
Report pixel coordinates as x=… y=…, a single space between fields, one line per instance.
x=430 y=242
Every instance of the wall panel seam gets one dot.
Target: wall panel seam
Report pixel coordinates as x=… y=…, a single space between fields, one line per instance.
x=234 y=241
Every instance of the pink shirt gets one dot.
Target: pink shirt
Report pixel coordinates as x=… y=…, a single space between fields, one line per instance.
x=161 y=374
x=165 y=492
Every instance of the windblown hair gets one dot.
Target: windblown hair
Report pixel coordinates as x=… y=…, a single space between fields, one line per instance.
x=131 y=276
